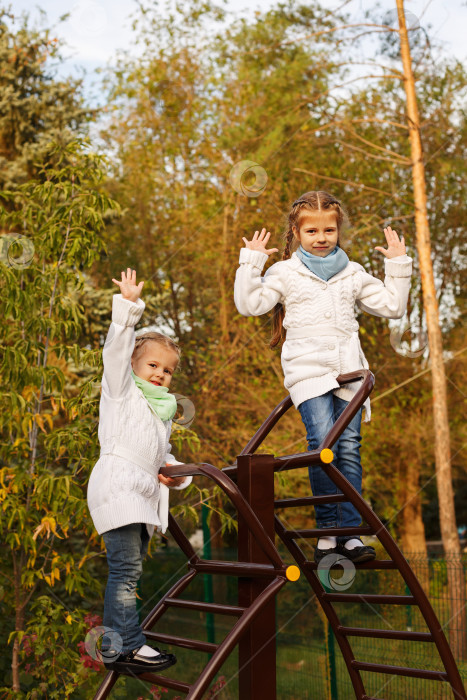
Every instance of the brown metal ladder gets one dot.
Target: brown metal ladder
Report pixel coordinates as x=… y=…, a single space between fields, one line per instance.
x=262 y=572
x=375 y=527
x=268 y=570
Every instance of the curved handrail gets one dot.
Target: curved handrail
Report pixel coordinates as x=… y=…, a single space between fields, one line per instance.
x=304 y=459
x=233 y=492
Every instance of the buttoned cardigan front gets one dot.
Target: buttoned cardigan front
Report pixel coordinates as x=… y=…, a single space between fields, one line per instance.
x=322 y=338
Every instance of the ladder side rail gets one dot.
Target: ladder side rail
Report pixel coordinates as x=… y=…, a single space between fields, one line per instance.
x=161 y=606
x=232 y=491
x=182 y=540
x=232 y=638
x=406 y=572
x=112 y=676
x=329 y=611
x=338 y=428
x=361 y=395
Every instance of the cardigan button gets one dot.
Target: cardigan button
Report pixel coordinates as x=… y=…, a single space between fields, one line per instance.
x=331 y=347
x=335 y=373
x=324 y=286
x=327 y=314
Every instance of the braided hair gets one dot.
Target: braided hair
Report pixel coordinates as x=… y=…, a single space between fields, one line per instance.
x=310 y=201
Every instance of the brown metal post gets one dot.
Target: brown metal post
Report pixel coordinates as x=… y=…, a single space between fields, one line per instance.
x=257 y=647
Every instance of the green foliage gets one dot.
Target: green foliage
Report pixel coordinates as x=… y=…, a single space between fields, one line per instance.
x=35 y=106
x=48 y=420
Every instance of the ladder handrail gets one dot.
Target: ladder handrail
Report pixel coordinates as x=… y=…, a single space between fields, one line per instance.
x=243 y=508
x=306 y=458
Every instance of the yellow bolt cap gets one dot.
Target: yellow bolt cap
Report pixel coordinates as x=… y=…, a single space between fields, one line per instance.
x=292 y=572
x=326 y=455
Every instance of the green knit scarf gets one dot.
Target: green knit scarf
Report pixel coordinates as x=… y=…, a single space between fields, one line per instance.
x=163 y=403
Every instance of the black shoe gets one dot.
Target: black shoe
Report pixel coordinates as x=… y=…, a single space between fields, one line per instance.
x=134 y=663
x=321 y=553
x=357 y=554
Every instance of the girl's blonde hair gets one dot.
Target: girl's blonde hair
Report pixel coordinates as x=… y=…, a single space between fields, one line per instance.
x=310 y=201
x=155 y=337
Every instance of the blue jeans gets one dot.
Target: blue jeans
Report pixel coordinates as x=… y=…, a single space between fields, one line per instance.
x=126 y=548
x=318 y=415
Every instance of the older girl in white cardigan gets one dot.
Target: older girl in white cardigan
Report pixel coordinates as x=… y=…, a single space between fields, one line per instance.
x=313 y=292
x=127 y=497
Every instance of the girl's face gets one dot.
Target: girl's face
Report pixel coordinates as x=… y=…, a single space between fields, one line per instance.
x=155 y=364
x=318 y=232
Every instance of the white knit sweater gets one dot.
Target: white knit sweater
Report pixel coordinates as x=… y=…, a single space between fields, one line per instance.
x=124 y=487
x=322 y=330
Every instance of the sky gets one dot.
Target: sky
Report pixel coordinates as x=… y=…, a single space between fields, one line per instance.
x=96 y=29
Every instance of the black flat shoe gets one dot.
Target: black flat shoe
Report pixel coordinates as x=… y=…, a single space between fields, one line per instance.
x=357 y=554
x=321 y=553
x=134 y=663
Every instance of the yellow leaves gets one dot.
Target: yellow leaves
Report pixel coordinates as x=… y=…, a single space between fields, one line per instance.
x=47 y=525
x=40 y=419
x=69 y=619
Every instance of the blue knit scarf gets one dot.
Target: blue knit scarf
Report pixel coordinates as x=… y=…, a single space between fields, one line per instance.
x=326 y=267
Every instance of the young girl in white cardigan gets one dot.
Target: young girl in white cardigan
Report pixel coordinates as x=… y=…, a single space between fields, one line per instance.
x=127 y=497
x=313 y=292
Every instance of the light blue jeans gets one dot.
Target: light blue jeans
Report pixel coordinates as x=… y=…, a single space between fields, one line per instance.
x=318 y=415
x=126 y=548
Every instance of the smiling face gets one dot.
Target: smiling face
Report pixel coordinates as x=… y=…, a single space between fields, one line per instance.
x=156 y=363
x=318 y=232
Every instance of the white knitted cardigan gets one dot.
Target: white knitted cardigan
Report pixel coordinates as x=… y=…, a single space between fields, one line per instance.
x=124 y=487
x=322 y=330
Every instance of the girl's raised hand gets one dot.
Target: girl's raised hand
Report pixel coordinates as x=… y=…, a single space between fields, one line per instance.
x=128 y=287
x=259 y=242
x=395 y=246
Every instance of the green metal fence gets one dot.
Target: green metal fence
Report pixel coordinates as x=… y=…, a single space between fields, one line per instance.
x=309 y=662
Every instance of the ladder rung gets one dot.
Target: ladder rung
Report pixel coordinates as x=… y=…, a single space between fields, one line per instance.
x=195 y=644
x=309 y=500
x=205 y=607
x=400 y=671
x=235 y=568
x=369 y=598
x=165 y=682
x=373 y=564
x=386 y=634
x=329 y=531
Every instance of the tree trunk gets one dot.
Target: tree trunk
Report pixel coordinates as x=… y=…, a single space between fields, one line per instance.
x=413 y=533
x=447 y=515
x=222 y=274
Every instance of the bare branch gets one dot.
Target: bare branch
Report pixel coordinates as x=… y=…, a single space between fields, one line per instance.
x=354 y=184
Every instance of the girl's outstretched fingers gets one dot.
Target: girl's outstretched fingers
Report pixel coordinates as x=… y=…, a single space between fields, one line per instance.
x=259 y=242
x=395 y=247
x=128 y=287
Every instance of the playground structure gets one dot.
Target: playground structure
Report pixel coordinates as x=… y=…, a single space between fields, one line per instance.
x=261 y=572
